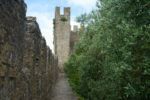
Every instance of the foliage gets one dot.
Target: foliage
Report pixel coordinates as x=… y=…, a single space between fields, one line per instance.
x=112 y=59
x=63 y=18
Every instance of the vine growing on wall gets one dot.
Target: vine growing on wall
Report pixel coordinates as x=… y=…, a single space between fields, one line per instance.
x=63 y=18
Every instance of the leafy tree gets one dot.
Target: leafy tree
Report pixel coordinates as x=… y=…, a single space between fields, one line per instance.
x=112 y=59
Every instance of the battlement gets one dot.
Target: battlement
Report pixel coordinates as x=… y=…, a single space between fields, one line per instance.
x=66 y=12
x=57 y=11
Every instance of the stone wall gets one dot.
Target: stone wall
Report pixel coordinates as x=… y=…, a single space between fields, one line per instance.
x=74 y=37
x=12 y=28
x=38 y=64
x=62 y=29
x=64 y=38
x=28 y=69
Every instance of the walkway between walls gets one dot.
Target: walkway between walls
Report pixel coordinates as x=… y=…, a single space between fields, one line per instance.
x=62 y=89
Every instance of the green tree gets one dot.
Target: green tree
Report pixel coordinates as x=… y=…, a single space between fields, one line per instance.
x=112 y=59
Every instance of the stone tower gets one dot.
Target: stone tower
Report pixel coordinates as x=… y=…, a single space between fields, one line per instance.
x=62 y=29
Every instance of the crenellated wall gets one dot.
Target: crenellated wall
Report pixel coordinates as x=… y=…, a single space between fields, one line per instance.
x=28 y=68
x=62 y=30
x=64 y=37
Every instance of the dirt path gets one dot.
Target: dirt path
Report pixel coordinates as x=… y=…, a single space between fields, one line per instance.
x=62 y=90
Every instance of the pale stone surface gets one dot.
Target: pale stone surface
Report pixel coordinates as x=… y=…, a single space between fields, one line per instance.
x=64 y=38
x=62 y=90
x=62 y=30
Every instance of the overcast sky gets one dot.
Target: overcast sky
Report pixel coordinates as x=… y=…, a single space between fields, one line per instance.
x=44 y=11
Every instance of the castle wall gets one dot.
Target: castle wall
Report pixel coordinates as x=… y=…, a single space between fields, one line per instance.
x=73 y=39
x=28 y=69
x=39 y=64
x=12 y=28
x=62 y=31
